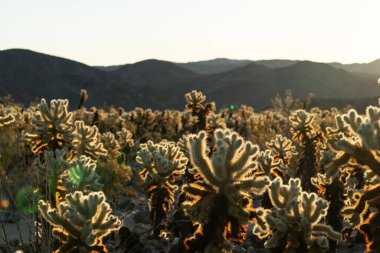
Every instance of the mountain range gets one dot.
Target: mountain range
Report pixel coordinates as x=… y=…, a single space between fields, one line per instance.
x=28 y=76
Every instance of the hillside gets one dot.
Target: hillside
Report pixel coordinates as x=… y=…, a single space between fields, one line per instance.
x=27 y=76
x=155 y=74
x=372 y=68
x=257 y=85
x=215 y=66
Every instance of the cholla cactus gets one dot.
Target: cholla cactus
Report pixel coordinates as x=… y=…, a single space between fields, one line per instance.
x=63 y=177
x=143 y=121
x=285 y=105
x=311 y=141
x=112 y=168
x=10 y=146
x=360 y=146
x=214 y=121
x=294 y=221
x=282 y=147
x=53 y=126
x=195 y=99
x=125 y=139
x=86 y=141
x=82 y=176
x=362 y=141
x=332 y=190
x=271 y=166
x=53 y=167
x=219 y=202
x=357 y=214
x=83 y=98
x=6 y=120
x=81 y=222
x=302 y=124
x=195 y=102
x=162 y=163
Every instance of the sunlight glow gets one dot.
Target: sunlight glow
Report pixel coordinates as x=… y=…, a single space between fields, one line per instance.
x=99 y=32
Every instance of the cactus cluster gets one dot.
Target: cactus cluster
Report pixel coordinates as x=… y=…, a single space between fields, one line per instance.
x=288 y=178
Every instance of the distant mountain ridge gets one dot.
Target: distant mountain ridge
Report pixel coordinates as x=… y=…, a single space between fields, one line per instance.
x=219 y=65
x=372 y=68
x=27 y=75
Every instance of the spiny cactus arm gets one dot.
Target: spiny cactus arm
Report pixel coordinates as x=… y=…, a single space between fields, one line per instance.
x=353 y=119
x=278 y=200
x=282 y=147
x=362 y=155
x=6 y=120
x=257 y=184
x=61 y=235
x=196 y=190
x=332 y=168
x=48 y=213
x=215 y=121
x=261 y=228
x=57 y=218
x=361 y=207
x=314 y=207
x=245 y=158
x=301 y=119
x=281 y=195
x=104 y=220
x=125 y=138
x=268 y=164
x=83 y=176
x=327 y=230
x=176 y=156
x=145 y=158
x=82 y=205
x=86 y=141
x=199 y=158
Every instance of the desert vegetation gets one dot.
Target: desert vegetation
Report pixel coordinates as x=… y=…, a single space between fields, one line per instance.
x=205 y=179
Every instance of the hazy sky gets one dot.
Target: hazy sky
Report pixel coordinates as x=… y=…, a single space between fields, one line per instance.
x=106 y=32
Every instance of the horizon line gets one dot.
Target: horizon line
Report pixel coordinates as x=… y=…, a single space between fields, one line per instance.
x=194 y=61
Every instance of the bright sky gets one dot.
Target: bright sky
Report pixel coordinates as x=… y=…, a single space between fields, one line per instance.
x=106 y=32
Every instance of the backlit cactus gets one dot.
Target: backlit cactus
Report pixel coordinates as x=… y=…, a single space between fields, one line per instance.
x=360 y=144
x=6 y=120
x=87 y=142
x=195 y=101
x=81 y=176
x=208 y=186
x=219 y=201
x=311 y=142
x=54 y=126
x=294 y=221
x=81 y=222
x=162 y=163
x=112 y=168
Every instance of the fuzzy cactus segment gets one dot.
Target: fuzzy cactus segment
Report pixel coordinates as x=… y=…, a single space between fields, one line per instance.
x=87 y=142
x=6 y=120
x=81 y=221
x=82 y=175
